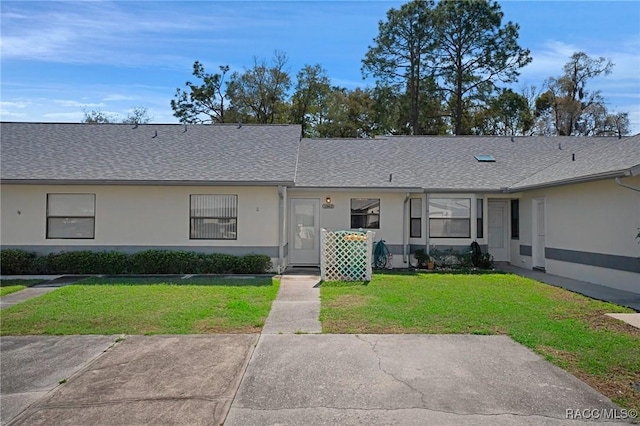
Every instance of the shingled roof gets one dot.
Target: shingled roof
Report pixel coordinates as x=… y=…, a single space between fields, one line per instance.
x=274 y=154
x=441 y=163
x=169 y=153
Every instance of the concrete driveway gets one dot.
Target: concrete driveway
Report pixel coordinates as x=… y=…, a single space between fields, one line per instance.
x=286 y=379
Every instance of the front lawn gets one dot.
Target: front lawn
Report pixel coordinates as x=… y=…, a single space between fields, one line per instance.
x=567 y=329
x=146 y=306
x=11 y=286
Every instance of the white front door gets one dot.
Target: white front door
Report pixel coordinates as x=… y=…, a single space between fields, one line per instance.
x=538 y=233
x=304 y=231
x=498 y=235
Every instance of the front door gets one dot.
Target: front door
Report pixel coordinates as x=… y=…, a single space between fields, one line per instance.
x=538 y=234
x=304 y=231
x=498 y=235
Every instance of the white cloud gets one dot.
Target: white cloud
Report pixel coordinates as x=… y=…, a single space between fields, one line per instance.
x=14 y=104
x=74 y=117
x=75 y=104
x=117 y=97
x=6 y=115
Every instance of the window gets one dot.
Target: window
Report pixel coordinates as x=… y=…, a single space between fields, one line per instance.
x=515 y=219
x=479 y=219
x=71 y=216
x=415 y=217
x=450 y=217
x=213 y=217
x=365 y=213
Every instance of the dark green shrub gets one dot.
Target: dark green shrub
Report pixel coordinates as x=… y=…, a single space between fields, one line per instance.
x=144 y=262
x=16 y=262
x=217 y=263
x=253 y=264
x=82 y=262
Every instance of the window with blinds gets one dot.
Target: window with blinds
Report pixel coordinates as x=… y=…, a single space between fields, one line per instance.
x=213 y=217
x=71 y=216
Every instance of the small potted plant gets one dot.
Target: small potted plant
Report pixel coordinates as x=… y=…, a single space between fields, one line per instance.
x=424 y=260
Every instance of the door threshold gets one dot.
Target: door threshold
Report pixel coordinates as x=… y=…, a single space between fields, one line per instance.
x=539 y=268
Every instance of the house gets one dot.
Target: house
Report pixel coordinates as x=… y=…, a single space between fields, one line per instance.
x=567 y=205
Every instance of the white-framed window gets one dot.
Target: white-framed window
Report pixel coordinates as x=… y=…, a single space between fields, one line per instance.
x=450 y=217
x=213 y=217
x=71 y=216
x=415 y=218
x=365 y=213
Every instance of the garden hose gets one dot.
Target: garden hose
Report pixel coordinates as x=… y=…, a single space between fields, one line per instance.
x=381 y=255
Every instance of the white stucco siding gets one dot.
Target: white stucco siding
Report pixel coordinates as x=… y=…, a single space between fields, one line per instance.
x=595 y=219
x=339 y=217
x=153 y=216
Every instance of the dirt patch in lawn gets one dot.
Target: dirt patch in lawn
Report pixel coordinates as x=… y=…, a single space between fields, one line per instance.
x=348 y=301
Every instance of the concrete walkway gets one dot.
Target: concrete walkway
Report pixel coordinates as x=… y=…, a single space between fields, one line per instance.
x=54 y=282
x=595 y=291
x=286 y=376
x=296 y=308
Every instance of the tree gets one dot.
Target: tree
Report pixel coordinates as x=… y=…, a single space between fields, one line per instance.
x=202 y=103
x=96 y=116
x=401 y=57
x=259 y=94
x=137 y=115
x=310 y=98
x=567 y=104
x=349 y=114
x=473 y=52
x=509 y=114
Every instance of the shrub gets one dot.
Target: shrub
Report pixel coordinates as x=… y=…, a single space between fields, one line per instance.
x=253 y=264
x=144 y=262
x=16 y=262
x=164 y=262
x=82 y=262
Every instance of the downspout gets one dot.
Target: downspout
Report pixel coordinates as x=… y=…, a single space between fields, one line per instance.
x=405 y=239
x=426 y=220
x=281 y=220
x=626 y=185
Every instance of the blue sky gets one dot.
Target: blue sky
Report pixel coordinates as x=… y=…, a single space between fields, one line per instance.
x=58 y=58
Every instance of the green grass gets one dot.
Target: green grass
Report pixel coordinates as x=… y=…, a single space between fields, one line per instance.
x=146 y=306
x=567 y=329
x=11 y=286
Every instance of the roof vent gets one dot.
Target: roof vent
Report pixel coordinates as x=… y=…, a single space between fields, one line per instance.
x=155 y=135
x=485 y=158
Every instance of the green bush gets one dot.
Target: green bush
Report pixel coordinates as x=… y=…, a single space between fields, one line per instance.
x=82 y=262
x=16 y=262
x=164 y=262
x=143 y=262
x=253 y=264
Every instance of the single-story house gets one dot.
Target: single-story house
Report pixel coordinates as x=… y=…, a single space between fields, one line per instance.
x=567 y=205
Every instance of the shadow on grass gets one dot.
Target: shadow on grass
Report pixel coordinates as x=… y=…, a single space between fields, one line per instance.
x=222 y=281
x=438 y=271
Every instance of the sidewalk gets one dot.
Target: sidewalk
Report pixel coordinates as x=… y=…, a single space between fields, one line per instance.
x=54 y=282
x=595 y=291
x=296 y=309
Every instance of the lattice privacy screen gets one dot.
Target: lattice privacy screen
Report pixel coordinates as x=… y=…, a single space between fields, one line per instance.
x=346 y=255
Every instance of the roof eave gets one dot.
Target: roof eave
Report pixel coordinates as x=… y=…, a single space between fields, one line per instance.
x=580 y=179
x=141 y=182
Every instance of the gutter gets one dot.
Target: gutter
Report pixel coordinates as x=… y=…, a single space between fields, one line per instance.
x=143 y=182
x=626 y=185
x=582 y=179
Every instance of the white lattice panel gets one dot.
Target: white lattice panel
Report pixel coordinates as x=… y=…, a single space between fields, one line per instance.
x=346 y=255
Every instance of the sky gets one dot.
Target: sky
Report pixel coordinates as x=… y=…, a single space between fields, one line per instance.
x=60 y=58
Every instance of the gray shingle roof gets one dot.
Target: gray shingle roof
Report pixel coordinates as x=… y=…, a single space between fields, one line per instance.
x=448 y=163
x=268 y=154
x=120 y=152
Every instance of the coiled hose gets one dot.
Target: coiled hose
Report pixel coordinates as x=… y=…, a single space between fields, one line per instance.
x=381 y=255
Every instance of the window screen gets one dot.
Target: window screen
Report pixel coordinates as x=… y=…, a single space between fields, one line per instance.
x=71 y=216
x=450 y=217
x=213 y=217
